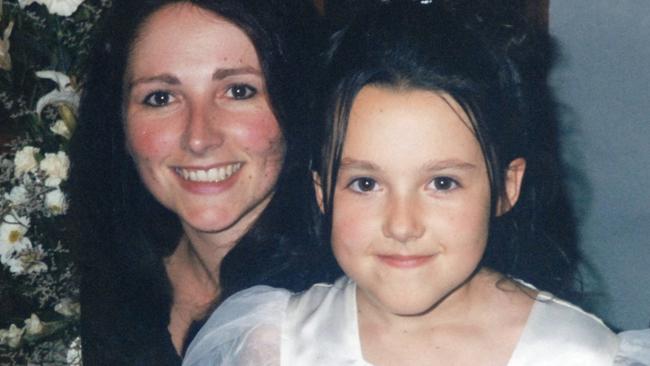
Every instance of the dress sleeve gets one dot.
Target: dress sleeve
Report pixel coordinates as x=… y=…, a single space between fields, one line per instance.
x=634 y=349
x=243 y=331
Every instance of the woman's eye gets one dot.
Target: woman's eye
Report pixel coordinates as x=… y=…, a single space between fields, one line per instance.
x=241 y=91
x=158 y=99
x=363 y=185
x=444 y=183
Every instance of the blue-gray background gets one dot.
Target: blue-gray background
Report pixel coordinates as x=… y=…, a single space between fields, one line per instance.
x=602 y=81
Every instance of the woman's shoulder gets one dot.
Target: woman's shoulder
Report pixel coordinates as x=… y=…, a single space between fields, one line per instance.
x=249 y=325
x=245 y=324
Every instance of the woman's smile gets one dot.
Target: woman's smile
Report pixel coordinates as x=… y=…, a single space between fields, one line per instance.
x=209 y=175
x=208 y=180
x=199 y=124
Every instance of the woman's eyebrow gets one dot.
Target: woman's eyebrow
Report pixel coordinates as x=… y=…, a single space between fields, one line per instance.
x=220 y=74
x=164 y=78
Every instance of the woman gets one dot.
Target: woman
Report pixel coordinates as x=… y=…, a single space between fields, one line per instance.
x=190 y=169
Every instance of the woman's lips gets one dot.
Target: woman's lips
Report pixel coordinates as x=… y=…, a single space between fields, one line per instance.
x=209 y=180
x=405 y=261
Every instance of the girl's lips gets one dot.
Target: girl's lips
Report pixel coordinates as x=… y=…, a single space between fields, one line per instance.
x=211 y=180
x=405 y=261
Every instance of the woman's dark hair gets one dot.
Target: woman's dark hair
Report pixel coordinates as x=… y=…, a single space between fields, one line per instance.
x=482 y=65
x=125 y=234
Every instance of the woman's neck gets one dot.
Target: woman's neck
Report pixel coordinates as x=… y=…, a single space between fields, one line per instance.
x=193 y=270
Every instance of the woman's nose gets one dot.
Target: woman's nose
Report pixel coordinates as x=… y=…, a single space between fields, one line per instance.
x=202 y=131
x=403 y=220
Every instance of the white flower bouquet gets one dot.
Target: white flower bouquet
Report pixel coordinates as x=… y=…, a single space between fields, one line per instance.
x=43 y=47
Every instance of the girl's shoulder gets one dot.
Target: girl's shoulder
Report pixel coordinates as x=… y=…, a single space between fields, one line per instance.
x=634 y=349
x=558 y=332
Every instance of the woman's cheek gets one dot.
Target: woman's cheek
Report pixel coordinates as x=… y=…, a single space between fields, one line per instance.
x=145 y=142
x=260 y=134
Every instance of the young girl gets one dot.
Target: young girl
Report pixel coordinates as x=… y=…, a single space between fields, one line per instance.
x=423 y=162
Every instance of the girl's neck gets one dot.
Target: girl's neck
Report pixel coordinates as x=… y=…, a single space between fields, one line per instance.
x=465 y=304
x=485 y=316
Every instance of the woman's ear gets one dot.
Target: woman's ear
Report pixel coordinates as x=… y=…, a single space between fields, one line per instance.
x=513 y=179
x=318 y=188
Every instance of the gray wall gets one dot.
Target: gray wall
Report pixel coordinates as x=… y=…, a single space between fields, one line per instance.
x=603 y=82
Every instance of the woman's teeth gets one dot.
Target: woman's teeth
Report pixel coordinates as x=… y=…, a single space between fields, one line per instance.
x=213 y=175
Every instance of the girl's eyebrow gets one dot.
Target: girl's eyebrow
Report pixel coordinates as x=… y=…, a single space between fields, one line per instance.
x=448 y=164
x=350 y=163
x=435 y=165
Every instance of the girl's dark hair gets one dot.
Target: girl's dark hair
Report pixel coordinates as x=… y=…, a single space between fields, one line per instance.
x=125 y=233
x=484 y=65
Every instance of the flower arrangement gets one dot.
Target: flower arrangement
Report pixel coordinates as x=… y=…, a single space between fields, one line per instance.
x=43 y=47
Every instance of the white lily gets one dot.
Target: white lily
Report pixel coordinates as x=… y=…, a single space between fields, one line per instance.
x=58 y=7
x=64 y=94
x=5 y=58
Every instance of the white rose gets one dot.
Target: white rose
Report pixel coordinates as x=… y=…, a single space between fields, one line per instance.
x=55 y=202
x=56 y=166
x=12 y=336
x=73 y=357
x=33 y=325
x=15 y=265
x=12 y=235
x=28 y=260
x=67 y=307
x=13 y=258
x=60 y=128
x=59 y=7
x=25 y=160
x=17 y=195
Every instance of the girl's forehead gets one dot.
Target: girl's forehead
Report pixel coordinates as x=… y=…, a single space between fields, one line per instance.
x=407 y=97
x=414 y=124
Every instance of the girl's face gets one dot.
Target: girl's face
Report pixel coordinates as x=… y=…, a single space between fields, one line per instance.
x=412 y=200
x=198 y=121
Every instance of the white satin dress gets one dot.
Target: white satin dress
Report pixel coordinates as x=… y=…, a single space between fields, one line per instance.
x=264 y=326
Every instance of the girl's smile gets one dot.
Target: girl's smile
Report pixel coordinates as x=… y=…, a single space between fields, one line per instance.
x=405 y=261
x=411 y=202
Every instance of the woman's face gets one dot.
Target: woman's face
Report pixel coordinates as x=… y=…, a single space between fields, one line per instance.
x=198 y=121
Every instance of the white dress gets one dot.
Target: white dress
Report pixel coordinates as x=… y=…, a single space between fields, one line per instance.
x=264 y=326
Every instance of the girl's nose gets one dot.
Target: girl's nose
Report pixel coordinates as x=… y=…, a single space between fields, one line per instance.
x=403 y=221
x=202 y=131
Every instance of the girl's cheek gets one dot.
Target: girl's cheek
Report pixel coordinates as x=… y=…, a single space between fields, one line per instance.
x=350 y=224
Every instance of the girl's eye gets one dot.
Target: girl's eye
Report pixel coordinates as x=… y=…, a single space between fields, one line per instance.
x=444 y=183
x=363 y=184
x=158 y=98
x=241 y=91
